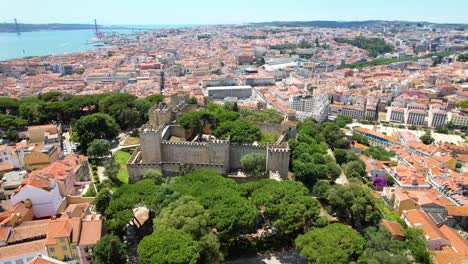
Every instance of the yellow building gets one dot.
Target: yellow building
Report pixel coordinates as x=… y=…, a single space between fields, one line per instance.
x=62 y=238
x=44 y=134
x=41 y=156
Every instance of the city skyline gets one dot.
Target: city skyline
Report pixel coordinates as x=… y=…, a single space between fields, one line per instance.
x=209 y=12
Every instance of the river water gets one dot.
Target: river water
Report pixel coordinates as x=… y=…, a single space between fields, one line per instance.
x=40 y=43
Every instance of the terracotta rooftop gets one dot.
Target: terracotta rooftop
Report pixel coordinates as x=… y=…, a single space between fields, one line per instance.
x=22 y=249
x=457 y=242
x=393 y=227
x=418 y=219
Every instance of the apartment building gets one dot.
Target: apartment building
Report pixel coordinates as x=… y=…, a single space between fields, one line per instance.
x=416 y=117
x=309 y=106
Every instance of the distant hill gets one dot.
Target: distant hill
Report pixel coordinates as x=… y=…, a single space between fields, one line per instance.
x=353 y=24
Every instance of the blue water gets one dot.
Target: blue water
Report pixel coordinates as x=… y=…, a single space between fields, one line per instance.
x=40 y=43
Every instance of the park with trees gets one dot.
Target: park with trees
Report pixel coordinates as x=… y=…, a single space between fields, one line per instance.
x=204 y=217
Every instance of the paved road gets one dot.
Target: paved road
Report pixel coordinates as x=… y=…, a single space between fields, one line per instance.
x=100 y=173
x=342 y=180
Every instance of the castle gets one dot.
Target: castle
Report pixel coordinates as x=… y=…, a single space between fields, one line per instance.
x=164 y=147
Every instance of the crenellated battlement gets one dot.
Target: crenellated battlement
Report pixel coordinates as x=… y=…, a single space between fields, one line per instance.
x=156 y=151
x=184 y=143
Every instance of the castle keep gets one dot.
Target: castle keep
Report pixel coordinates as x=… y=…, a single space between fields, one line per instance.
x=163 y=147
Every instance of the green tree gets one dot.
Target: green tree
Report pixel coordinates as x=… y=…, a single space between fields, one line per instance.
x=417 y=245
x=169 y=246
x=99 y=148
x=197 y=120
x=229 y=212
x=50 y=96
x=188 y=215
x=9 y=105
x=254 y=163
x=31 y=111
x=427 y=138
x=95 y=126
x=154 y=175
x=379 y=153
x=321 y=189
x=192 y=100
x=354 y=204
x=240 y=131
x=9 y=126
x=111 y=169
x=361 y=139
x=335 y=243
x=110 y=249
x=342 y=120
x=286 y=205
x=356 y=168
x=269 y=116
x=462 y=104
x=102 y=200
x=381 y=248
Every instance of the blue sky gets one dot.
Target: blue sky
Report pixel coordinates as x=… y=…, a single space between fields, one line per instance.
x=229 y=11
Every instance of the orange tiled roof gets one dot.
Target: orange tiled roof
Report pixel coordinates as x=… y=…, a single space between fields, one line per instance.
x=22 y=249
x=393 y=227
x=457 y=242
x=420 y=220
x=90 y=232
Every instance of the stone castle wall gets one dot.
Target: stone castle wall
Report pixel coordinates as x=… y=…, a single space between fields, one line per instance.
x=239 y=150
x=157 y=151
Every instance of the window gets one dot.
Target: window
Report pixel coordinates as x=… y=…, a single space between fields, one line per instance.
x=52 y=249
x=62 y=240
x=64 y=248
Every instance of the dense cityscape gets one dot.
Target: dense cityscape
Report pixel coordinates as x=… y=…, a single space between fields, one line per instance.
x=278 y=142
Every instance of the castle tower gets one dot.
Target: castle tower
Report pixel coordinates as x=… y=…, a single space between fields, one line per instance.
x=150 y=145
x=277 y=160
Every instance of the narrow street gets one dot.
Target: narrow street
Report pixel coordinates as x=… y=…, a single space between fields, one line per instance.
x=342 y=180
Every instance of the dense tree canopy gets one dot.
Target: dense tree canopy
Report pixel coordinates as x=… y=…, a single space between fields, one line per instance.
x=99 y=148
x=10 y=125
x=354 y=204
x=379 y=153
x=218 y=195
x=381 y=248
x=110 y=249
x=197 y=120
x=9 y=105
x=342 y=120
x=240 y=131
x=285 y=205
x=102 y=200
x=427 y=138
x=335 y=243
x=374 y=46
x=95 y=126
x=169 y=246
x=463 y=104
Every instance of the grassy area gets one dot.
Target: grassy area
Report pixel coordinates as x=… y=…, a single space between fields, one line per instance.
x=121 y=157
x=131 y=141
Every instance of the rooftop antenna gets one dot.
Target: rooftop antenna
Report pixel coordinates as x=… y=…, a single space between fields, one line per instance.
x=17 y=27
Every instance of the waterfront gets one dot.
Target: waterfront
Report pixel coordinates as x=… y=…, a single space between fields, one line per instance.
x=41 y=43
